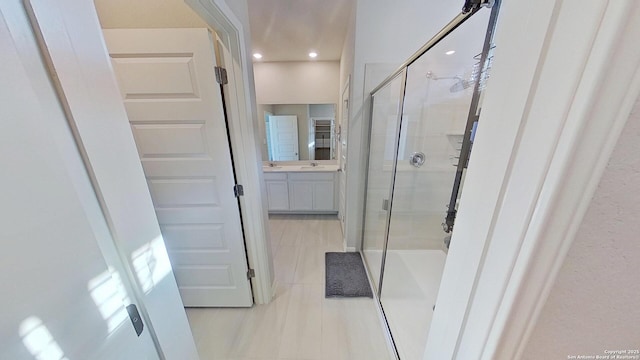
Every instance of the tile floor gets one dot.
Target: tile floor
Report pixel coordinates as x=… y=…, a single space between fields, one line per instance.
x=299 y=323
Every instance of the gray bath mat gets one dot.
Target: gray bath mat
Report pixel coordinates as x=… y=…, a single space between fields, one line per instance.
x=345 y=275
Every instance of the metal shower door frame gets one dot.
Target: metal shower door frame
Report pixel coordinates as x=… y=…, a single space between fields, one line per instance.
x=466 y=14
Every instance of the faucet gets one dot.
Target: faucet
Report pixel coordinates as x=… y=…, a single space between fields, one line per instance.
x=272 y=164
x=314 y=164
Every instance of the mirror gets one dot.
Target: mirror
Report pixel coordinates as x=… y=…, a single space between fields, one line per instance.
x=291 y=132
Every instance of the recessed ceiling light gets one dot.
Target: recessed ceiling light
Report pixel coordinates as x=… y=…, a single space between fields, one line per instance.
x=313 y=54
x=257 y=56
x=450 y=52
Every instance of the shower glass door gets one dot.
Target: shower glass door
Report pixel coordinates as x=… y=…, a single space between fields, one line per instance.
x=437 y=100
x=385 y=112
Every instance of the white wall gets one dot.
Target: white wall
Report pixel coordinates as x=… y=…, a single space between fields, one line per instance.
x=348 y=52
x=322 y=110
x=594 y=304
x=297 y=82
x=385 y=33
x=346 y=61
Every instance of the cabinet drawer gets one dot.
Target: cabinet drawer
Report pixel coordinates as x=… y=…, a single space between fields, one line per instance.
x=275 y=176
x=311 y=176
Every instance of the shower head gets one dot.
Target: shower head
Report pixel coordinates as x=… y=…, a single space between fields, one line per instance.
x=432 y=76
x=459 y=85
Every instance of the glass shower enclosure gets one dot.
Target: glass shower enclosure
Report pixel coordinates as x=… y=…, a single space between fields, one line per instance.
x=423 y=118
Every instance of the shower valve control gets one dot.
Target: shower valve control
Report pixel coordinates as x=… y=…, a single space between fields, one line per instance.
x=417 y=159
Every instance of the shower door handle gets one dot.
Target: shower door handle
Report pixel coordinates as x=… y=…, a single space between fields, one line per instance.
x=385 y=204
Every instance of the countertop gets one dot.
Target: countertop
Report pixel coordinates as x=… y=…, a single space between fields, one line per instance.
x=300 y=168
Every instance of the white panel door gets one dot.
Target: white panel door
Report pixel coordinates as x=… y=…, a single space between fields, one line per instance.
x=168 y=85
x=64 y=291
x=283 y=130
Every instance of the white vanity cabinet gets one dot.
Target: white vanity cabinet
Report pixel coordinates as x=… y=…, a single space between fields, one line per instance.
x=311 y=191
x=277 y=191
x=306 y=192
x=301 y=195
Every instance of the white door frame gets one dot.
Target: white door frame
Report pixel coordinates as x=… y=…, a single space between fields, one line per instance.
x=310 y=135
x=344 y=129
x=241 y=110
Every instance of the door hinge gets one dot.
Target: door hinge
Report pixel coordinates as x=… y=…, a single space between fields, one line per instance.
x=221 y=75
x=238 y=190
x=251 y=274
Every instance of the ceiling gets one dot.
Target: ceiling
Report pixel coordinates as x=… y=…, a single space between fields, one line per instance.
x=287 y=30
